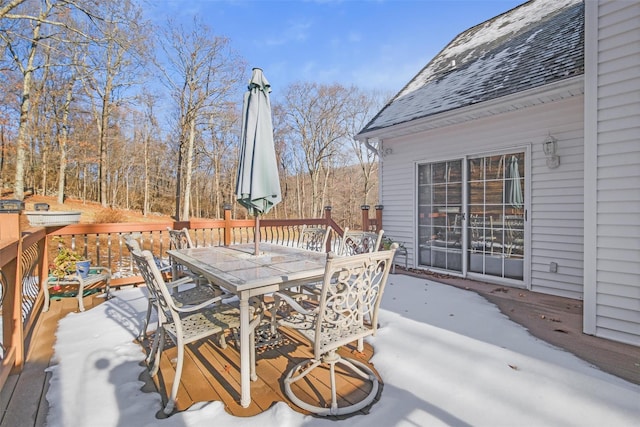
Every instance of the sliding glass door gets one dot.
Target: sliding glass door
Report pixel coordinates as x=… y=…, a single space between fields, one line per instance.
x=440 y=215
x=496 y=211
x=492 y=211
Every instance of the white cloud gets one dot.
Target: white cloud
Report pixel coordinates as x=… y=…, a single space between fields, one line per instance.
x=354 y=37
x=297 y=32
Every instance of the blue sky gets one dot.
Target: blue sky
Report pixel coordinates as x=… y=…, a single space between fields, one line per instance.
x=373 y=44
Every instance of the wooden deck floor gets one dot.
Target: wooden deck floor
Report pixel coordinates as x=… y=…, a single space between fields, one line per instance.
x=23 y=398
x=212 y=373
x=554 y=319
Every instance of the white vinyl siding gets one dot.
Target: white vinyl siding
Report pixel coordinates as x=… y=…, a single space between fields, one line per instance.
x=555 y=212
x=612 y=300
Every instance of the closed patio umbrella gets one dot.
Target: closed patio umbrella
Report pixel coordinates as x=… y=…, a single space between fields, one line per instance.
x=258 y=184
x=514 y=190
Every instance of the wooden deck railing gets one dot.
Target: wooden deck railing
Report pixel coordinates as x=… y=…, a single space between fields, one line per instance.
x=104 y=244
x=20 y=298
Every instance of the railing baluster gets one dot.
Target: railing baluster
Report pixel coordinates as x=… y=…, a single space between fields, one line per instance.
x=30 y=282
x=86 y=242
x=109 y=253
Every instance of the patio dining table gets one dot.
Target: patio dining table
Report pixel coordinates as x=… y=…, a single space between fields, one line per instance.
x=237 y=269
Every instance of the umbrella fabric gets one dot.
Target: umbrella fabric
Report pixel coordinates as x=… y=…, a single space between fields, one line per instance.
x=514 y=189
x=258 y=184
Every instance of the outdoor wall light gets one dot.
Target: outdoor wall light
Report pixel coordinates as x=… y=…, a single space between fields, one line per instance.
x=549 y=146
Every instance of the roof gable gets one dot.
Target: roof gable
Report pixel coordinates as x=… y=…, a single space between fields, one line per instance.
x=537 y=43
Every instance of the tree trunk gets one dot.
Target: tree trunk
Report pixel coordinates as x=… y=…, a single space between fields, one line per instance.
x=64 y=135
x=179 y=180
x=323 y=197
x=145 y=203
x=188 y=170
x=25 y=105
x=104 y=119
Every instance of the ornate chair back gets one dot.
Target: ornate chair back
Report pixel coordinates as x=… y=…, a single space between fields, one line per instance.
x=314 y=238
x=154 y=281
x=350 y=298
x=180 y=239
x=134 y=246
x=356 y=242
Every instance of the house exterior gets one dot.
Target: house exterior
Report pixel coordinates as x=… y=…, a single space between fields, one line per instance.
x=513 y=157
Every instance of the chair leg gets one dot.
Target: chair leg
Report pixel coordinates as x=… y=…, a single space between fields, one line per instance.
x=334 y=397
x=143 y=330
x=46 y=297
x=156 y=351
x=154 y=347
x=222 y=340
x=80 y=293
x=292 y=379
x=171 y=403
x=332 y=359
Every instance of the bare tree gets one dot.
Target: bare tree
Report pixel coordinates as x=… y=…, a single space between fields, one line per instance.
x=63 y=135
x=201 y=72
x=113 y=63
x=148 y=127
x=221 y=149
x=362 y=109
x=24 y=56
x=29 y=26
x=316 y=118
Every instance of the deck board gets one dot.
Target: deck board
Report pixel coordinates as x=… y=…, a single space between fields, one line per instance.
x=23 y=398
x=211 y=373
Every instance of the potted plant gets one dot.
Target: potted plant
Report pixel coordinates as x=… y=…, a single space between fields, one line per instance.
x=388 y=241
x=68 y=261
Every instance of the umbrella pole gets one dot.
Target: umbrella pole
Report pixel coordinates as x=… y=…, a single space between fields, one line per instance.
x=257 y=235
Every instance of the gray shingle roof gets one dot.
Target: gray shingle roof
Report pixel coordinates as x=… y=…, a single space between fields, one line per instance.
x=537 y=43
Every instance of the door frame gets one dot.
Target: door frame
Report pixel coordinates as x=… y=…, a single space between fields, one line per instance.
x=526 y=279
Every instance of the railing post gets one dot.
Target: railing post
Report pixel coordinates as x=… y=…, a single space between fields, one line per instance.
x=327 y=214
x=227 y=224
x=379 y=217
x=12 y=327
x=365 y=217
x=9 y=226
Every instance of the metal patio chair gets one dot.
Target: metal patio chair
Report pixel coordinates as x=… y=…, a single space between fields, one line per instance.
x=346 y=312
x=183 y=324
x=312 y=239
x=184 y=290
